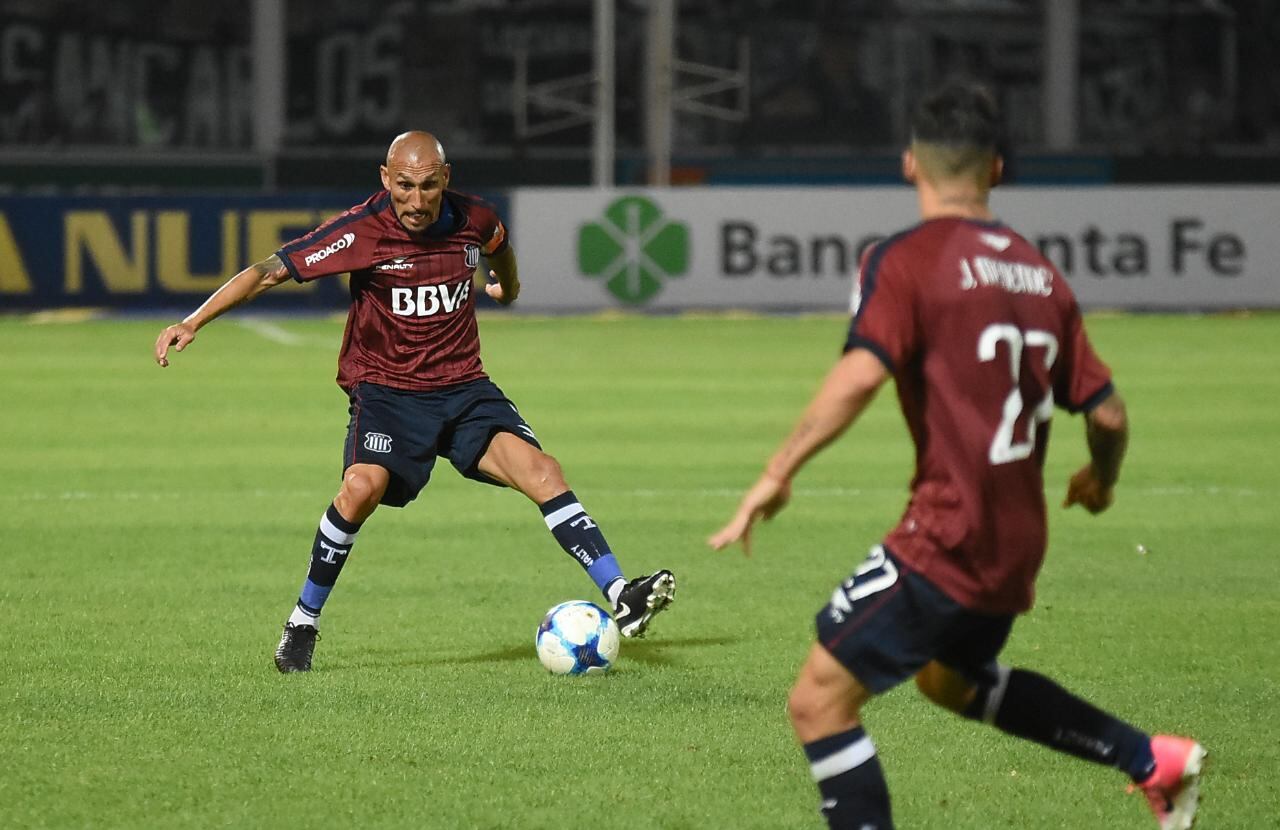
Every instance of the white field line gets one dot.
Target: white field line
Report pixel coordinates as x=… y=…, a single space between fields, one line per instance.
x=646 y=493
x=271 y=331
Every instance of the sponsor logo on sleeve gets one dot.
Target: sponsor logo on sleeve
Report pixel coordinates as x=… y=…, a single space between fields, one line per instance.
x=346 y=241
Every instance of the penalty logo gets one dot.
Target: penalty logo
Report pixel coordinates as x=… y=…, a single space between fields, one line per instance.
x=377 y=442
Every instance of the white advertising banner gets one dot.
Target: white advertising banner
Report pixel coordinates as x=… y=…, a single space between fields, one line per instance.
x=1155 y=248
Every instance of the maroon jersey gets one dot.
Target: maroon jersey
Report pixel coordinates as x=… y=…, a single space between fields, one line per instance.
x=983 y=337
x=412 y=323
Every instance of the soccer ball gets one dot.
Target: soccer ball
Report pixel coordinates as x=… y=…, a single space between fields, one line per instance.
x=577 y=637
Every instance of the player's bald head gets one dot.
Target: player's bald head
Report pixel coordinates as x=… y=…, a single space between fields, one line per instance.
x=415 y=148
x=416 y=175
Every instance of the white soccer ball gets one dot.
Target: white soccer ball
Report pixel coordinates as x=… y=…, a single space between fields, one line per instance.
x=577 y=637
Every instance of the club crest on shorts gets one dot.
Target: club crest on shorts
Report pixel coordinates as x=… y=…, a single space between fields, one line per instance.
x=377 y=442
x=473 y=255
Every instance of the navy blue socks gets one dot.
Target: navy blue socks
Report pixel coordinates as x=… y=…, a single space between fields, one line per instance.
x=1032 y=706
x=581 y=538
x=333 y=542
x=848 y=774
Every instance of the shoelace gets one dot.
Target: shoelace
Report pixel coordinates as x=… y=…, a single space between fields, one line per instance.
x=294 y=642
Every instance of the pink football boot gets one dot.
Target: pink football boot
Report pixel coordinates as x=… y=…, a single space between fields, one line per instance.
x=1173 y=789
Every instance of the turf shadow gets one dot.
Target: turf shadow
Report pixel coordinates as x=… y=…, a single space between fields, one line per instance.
x=650 y=652
x=642 y=651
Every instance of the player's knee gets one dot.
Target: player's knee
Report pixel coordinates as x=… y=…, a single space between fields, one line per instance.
x=545 y=472
x=362 y=491
x=815 y=708
x=803 y=706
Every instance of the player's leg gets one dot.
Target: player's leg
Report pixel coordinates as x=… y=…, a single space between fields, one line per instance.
x=527 y=469
x=880 y=627
x=512 y=460
x=386 y=463
x=825 y=710
x=1031 y=706
x=363 y=486
x=492 y=443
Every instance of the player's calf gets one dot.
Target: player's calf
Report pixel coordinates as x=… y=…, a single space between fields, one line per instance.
x=851 y=781
x=636 y=602
x=329 y=552
x=1031 y=706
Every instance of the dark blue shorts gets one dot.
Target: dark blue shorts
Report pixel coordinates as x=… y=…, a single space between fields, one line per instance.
x=404 y=432
x=885 y=622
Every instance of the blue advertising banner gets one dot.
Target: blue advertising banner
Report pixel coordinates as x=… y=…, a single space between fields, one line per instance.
x=152 y=252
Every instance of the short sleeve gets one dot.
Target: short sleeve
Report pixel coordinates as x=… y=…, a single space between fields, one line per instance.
x=1084 y=380
x=490 y=228
x=344 y=243
x=882 y=309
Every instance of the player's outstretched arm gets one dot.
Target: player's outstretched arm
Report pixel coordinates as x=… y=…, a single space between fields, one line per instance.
x=244 y=286
x=1107 y=433
x=850 y=385
x=502 y=267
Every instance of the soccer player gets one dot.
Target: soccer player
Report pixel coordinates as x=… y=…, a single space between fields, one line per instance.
x=982 y=337
x=410 y=363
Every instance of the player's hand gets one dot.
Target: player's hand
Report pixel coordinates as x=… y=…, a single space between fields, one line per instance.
x=1086 y=490
x=179 y=336
x=762 y=501
x=495 y=290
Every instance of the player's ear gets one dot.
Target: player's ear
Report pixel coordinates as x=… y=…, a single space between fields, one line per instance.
x=909 y=166
x=448 y=171
x=997 y=170
x=386 y=176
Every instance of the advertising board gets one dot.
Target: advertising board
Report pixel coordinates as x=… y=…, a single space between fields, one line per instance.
x=797 y=248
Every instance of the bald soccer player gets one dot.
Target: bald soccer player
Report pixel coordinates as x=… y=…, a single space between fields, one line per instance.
x=410 y=364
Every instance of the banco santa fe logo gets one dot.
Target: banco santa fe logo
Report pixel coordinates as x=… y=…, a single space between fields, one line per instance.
x=634 y=248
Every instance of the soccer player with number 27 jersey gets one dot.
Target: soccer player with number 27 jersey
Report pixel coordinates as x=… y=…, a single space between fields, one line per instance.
x=410 y=364
x=983 y=339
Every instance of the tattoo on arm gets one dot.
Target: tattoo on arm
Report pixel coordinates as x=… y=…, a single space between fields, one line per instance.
x=271 y=270
x=799 y=436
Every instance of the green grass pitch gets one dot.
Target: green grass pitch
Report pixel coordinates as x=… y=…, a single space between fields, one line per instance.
x=157 y=523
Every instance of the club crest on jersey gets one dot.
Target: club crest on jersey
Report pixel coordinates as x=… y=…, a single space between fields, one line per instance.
x=473 y=255
x=377 y=442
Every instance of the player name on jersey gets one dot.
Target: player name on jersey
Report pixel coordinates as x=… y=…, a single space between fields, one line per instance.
x=1014 y=277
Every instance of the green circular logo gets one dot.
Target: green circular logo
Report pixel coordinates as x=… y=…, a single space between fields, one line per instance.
x=633 y=249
